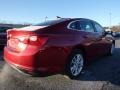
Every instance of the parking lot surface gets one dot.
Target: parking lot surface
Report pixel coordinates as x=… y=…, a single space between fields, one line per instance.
x=101 y=74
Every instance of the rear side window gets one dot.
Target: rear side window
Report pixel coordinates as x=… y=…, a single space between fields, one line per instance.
x=75 y=25
x=86 y=26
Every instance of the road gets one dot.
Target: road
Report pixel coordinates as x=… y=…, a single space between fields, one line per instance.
x=101 y=74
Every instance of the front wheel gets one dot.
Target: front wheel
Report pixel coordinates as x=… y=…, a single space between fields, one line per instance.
x=112 y=49
x=75 y=64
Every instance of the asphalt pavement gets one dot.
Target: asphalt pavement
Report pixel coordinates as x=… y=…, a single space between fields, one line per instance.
x=101 y=74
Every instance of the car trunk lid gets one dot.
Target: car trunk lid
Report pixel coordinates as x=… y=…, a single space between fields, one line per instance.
x=19 y=39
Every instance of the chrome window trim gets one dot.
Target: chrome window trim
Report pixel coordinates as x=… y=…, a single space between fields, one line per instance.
x=68 y=27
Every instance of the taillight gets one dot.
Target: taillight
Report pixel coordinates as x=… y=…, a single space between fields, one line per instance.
x=28 y=39
x=16 y=45
x=20 y=43
x=23 y=39
x=21 y=46
x=33 y=38
x=37 y=40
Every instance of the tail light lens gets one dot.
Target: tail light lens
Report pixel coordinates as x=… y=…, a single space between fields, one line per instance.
x=19 y=43
x=16 y=45
x=21 y=46
x=33 y=38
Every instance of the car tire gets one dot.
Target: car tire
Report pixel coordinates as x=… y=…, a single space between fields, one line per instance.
x=112 y=49
x=113 y=34
x=75 y=64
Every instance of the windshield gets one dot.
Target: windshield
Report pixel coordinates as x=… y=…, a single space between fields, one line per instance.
x=50 y=22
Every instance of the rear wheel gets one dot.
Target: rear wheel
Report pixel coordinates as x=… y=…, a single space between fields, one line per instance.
x=75 y=64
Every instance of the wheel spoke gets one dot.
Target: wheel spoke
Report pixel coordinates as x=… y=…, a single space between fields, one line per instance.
x=76 y=71
x=73 y=69
x=76 y=64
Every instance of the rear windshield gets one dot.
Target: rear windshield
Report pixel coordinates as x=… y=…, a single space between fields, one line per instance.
x=50 y=22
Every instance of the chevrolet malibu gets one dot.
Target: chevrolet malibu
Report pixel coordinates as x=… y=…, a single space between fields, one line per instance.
x=56 y=46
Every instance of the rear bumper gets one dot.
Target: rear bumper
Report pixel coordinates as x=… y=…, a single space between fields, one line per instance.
x=43 y=60
x=25 y=62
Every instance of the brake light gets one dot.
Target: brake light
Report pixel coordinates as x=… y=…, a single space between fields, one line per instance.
x=37 y=40
x=16 y=45
x=20 y=43
x=33 y=38
x=21 y=46
x=27 y=39
x=21 y=39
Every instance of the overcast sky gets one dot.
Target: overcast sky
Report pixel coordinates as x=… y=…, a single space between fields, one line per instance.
x=34 y=11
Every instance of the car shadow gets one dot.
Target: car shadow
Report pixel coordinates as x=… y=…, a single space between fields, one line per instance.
x=104 y=69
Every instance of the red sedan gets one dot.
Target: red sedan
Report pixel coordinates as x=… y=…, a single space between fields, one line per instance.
x=56 y=46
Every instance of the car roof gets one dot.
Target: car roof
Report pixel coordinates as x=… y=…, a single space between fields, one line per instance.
x=51 y=22
x=80 y=19
x=60 y=20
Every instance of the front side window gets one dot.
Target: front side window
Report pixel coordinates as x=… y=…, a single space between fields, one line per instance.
x=98 y=28
x=75 y=25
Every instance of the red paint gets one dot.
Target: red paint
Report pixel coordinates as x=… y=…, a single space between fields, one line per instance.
x=50 y=52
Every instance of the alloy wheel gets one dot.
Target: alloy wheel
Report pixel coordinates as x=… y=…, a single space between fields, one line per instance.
x=76 y=64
